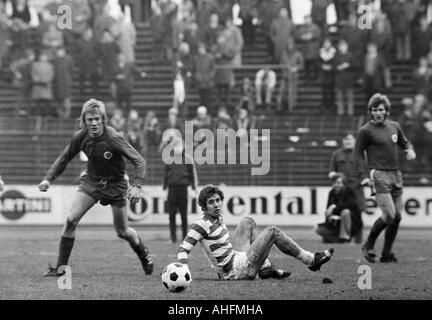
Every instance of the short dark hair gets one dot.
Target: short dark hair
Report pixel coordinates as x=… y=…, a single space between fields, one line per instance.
x=378 y=99
x=337 y=176
x=206 y=193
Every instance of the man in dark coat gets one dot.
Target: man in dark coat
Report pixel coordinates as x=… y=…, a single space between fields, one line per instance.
x=343 y=216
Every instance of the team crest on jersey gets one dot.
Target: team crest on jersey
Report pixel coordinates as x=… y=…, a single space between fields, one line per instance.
x=107 y=155
x=394 y=138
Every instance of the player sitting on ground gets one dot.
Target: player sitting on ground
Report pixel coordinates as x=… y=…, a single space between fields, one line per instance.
x=247 y=255
x=104 y=181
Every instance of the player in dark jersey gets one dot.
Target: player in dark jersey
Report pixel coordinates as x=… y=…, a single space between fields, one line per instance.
x=104 y=181
x=381 y=139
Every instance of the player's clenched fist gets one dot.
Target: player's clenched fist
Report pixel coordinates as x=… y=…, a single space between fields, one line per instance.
x=410 y=155
x=134 y=194
x=44 y=185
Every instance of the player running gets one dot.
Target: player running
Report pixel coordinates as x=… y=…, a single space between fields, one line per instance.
x=104 y=181
x=380 y=139
x=246 y=256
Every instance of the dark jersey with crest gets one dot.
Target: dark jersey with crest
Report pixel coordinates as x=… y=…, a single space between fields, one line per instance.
x=105 y=156
x=381 y=143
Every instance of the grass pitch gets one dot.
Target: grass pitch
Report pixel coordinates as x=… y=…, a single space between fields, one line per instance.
x=105 y=267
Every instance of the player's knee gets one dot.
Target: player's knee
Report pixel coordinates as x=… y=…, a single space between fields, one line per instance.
x=71 y=224
x=122 y=234
x=397 y=218
x=388 y=219
x=273 y=230
x=346 y=213
x=248 y=221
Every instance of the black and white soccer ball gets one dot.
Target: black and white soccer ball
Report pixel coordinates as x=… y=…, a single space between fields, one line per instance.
x=176 y=277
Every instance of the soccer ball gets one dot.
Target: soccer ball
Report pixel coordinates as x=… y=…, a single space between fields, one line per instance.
x=176 y=277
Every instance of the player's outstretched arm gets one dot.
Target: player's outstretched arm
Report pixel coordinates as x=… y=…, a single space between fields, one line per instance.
x=1 y=184
x=44 y=185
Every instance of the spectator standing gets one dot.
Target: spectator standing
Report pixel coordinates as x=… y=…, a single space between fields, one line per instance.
x=88 y=56
x=345 y=80
x=23 y=74
x=126 y=39
x=402 y=14
x=309 y=40
x=178 y=178
x=376 y=74
x=327 y=60
x=109 y=51
x=319 y=14
x=267 y=12
x=421 y=38
x=292 y=62
x=135 y=131
x=205 y=10
x=52 y=39
x=63 y=71
x=233 y=42
x=382 y=36
x=159 y=51
x=281 y=32
x=204 y=72
x=42 y=78
x=248 y=13
x=192 y=38
x=124 y=80
x=211 y=32
x=422 y=78
x=152 y=131
x=357 y=40
x=224 y=75
x=81 y=15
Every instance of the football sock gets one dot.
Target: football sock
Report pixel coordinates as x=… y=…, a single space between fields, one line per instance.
x=65 y=249
x=377 y=227
x=140 y=250
x=390 y=236
x=306 y=257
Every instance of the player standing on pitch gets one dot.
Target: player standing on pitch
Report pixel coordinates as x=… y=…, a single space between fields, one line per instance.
x=104 y=181
x=380 y=139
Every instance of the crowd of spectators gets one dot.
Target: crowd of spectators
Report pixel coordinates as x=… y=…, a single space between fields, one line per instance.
x=326 y=42
x=331 y=42
x=40 y=56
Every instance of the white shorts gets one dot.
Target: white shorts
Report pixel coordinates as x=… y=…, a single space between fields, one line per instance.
x=242 y=268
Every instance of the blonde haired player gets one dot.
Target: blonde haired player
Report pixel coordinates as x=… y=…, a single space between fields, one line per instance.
x=104 y=181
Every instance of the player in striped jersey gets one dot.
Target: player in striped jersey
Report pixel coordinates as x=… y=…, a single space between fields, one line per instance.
x=246 y=255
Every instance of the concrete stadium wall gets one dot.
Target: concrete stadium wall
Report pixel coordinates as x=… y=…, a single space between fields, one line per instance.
x=282 y=206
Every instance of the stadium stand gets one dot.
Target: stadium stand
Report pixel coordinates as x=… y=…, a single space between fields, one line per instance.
x=301 y=142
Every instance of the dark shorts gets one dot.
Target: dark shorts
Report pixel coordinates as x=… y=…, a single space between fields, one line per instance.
x=106 y=192
x=387 y=181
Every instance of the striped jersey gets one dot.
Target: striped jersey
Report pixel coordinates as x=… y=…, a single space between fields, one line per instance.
x=215 y=241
